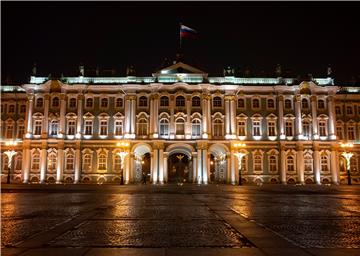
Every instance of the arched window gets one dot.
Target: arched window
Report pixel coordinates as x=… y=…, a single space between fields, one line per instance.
x=272 y=164
x=51 y=167
x=257 y=163
x=72 y=103
x=218 y=128
x=104 y=103
x=55 y=102
x=164 y=101
x=290 y=163
x=271 y=103
x=142 y=127
x=308 y=163
x=87 y=162
x=180 y=126
x=196 y=101
x=102 y=162
x=324 y=163
x=180 y=101
x=241 y=103
x=54 y=127
x=119 y=103
x=321 y=104
x=89 y=102
x=288 y=104
x=70 y=161
x=117 y=163
x=256 y=103
x=304 y=104
x=196 y=128
x=142 y=101
x=164 y=128
x=217 y=102
x=39 y=102
x=35 y=161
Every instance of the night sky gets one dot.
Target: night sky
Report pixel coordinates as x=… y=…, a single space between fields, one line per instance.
x=301 y=36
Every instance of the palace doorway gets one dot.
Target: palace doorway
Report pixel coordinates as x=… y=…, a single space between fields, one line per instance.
x=179 y=170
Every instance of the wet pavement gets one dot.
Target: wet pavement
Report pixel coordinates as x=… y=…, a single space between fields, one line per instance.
x=180 y=220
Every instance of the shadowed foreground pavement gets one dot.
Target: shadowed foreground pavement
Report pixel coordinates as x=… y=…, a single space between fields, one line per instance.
x=180 y=220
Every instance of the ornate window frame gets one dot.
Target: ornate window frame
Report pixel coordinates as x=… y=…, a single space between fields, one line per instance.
x=273 y=153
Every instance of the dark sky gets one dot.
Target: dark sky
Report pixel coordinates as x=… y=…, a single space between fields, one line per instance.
x=302 y=36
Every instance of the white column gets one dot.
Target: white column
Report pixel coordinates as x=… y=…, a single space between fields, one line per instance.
x=234 y=168
x=314 y=117
x=204 y=117
x=26 y=163
x=127 y=169
x=133 y=117
x=77 y=165
x=161 y=166
x=43 y=165
x=199 y=166
x=208 y=116
x=45 y=124
x=300 y=164
x=188 y=118
x=282 y=164
x=165 y=168
x=155 y=166
x=172 y=118
x=334 y=167
x=233 y=117
x=60 y=165
x=298 y=123
x=194 y=167
x=317 y=165
x=30 y=107
x=281 y=117
x=79 y=116
x=227 y=118
x=205 y=166
x=127 y=116
x=62 y=115
x=156 y=116
x=152 y=116
x=332 y=119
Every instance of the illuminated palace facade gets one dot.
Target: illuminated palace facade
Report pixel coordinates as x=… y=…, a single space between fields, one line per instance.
x=179 y=125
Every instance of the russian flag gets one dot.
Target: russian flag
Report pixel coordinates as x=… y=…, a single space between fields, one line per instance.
x=187 y=32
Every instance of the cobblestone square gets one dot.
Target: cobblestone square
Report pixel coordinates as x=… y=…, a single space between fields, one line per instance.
x=180 y=220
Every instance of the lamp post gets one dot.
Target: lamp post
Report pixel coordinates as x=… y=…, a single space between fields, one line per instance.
x=122 y=154
x=239 y=156
x=10 y=154
x=347 y=155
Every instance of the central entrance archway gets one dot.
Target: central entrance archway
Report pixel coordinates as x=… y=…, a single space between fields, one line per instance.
x=179 y=168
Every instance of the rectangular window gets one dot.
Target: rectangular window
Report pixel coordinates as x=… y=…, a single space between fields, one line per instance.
x=21 y=130
x=70 y=162
x=349 y=110
x=288 y=128
x=256 y=128
x=322 y=128
x=71 y=127
x=87 y=162
x=118 y=128
x=306 y=128
x=103 y=127
x=37 y=130
x=242 y=128
x=351 y=133
x=88 y=127
x=11 y=109
x=180 y=128
x=9 y=131
x=338 y=110
x=195 y=129
x=164 y=128
x=271 y=128
x=339 y=132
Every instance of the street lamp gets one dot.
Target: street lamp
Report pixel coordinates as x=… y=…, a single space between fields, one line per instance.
x=347 y=155
x=122 y=154
x=239 y=156
x=10 y=154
